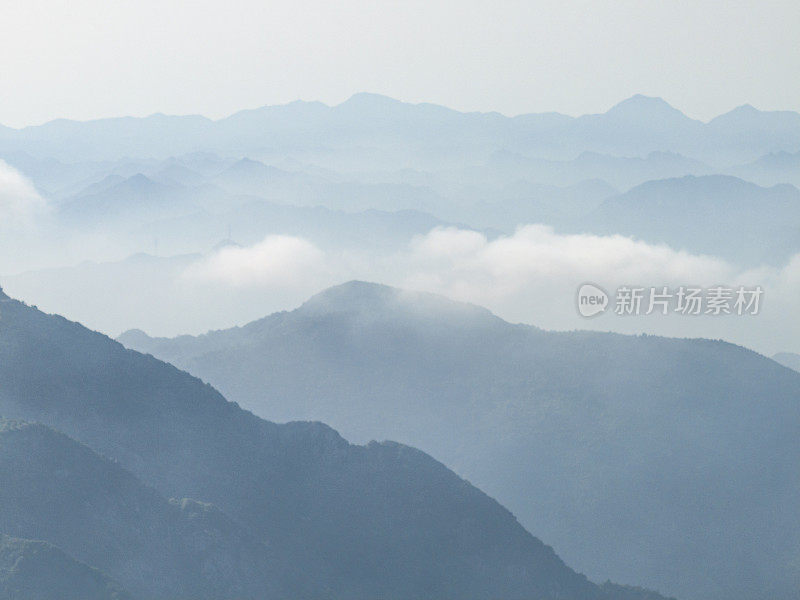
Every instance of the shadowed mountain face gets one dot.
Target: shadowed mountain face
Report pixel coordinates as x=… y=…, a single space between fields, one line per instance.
x=382 y=520
x=57 y=490
x=665 y=462
x=39 y=571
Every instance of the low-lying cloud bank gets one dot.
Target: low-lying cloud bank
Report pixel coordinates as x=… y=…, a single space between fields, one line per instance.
x=534 y=266
x=278 y=260
x=530 y=276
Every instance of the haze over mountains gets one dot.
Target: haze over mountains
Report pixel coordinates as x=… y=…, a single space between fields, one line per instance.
x=667 y=463
x=361 y=188
x=310 y=514
x=634 y=127
x=681 y=455
x=713 y=215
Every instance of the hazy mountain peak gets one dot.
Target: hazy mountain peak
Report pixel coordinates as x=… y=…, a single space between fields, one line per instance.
x=248 y=166
x=752 y=119
x=355 y=288
x=139 y=178
x=247 y=163
x=743 y=112
x=378 y=300
x=139 y=183
x=350 y=297
x=368 y=99
x=640 y=105
x=109 y=181
x=132 y=337
x=746 y=108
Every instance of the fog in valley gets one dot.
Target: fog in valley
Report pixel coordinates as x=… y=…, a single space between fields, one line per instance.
x=181 y=225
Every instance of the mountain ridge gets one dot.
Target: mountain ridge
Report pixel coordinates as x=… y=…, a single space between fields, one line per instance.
x=636 y=125
x=717 y=215
x=358 y=521
x=567 y=428
x=58 y=490
x=637 y=99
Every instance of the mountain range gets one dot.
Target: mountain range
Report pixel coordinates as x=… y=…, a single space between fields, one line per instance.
x=668 y=463
x=716 y=215
x=188 y=219
x=58 y=490
x=297 y=510
x=775 y=167
x=391 y=132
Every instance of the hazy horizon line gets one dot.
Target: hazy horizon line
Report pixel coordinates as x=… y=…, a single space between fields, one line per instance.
x=215 y=119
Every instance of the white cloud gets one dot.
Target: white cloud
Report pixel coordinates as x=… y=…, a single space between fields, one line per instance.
x=522 y=276
x=536 y=269
x=20 y=204
x=530 y=276
x=276 y=261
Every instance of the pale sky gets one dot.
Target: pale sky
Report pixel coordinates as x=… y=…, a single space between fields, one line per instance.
x=97 y=58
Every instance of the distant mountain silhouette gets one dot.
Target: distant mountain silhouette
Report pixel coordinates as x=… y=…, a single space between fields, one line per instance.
x=382 y=520
x=135 y=197
x=715 y=214
x=175 y=173
x=254 y=178
x=246 y=168
x=746 y=120
x=658 y=462
x=386 y=127
x=621 y=172
x=638 y=125
x=644 y=108
x=650 y=446
x=108 y=182
x=771 y=169
x=504 y=207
